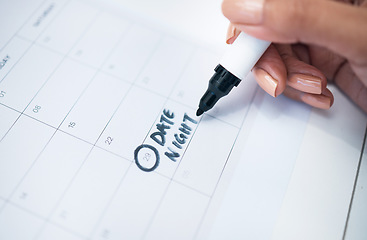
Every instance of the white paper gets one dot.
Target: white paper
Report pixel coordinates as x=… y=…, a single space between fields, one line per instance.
x=99 y=138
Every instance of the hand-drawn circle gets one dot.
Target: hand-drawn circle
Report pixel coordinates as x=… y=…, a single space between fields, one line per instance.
x=136 y=157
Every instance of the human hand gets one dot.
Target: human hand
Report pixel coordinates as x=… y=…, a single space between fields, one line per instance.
x=317 y=41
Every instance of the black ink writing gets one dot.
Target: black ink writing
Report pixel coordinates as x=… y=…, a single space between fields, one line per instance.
x=180 y=138
x=164 y=124
x=147 y=157
x=172 y=154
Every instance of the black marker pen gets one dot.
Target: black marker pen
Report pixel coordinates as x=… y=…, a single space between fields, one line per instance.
x=236 y=63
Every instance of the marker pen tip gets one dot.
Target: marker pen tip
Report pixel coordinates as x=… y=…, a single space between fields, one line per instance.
x=199 y=112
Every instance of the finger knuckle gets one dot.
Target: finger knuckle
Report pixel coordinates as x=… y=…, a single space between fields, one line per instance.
x=289 y=14
x=298 y=13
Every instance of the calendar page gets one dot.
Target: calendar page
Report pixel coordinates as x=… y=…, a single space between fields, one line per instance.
x=98 y=133
x=99 y=137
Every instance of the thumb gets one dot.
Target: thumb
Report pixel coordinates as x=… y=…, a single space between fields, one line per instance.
x=338 y=26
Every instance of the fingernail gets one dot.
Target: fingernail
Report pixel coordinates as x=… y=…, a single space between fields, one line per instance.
x=305 y=83
x=326 y=92
x=230 y=34
x=266 y=81
x=317 y=100
x=251 y=11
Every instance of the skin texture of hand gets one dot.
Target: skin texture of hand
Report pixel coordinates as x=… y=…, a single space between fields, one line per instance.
x=316 y=41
